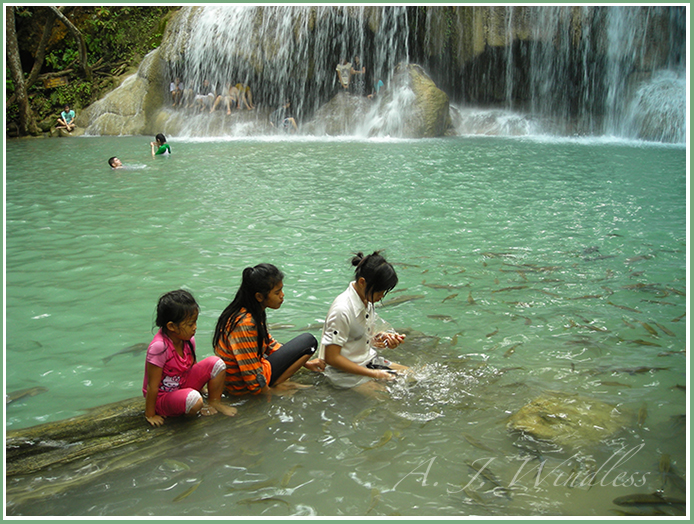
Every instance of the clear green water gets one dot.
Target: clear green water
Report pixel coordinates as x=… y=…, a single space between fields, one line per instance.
x=537 y=244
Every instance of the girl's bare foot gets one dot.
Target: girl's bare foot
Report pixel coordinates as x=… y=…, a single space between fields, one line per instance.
x=215 y=406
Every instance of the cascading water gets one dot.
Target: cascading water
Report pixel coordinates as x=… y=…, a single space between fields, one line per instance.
x=577 y=69
x=285 y=53
x=585 y=70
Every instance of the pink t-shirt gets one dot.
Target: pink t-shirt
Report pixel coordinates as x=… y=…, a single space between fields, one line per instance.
x=161 y=353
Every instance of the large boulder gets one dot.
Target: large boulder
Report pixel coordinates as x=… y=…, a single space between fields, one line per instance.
x=413 y=107
x=128 y=109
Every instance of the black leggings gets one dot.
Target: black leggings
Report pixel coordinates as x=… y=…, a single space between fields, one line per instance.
x=282 y=359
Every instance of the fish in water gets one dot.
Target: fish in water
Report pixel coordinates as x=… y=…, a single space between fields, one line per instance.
x=261 y=500
x=637 y=258
x=647 y=498
x=624 y=307
x=375 y=499
x=510 y=351
x=664 y=329
x=626 y=322
x=664 y=467
x=472 y=440
x=362 y=415
x=670 y=353
x=584 y=297
x=648 y=328
x=615 y=384
x=445 y=318
x=400 y=300
x=175 y=465
x=638 y=370
x=488 y=475
x=187 y=492
x=643 y=413
x=288 y=476
x=492 y=333
x=444 y=286
x=387 y=436
x=511 y=288
x=449 y=297
x=470 y=300
x=22 y=393
x=641 y=342
x=134 y=350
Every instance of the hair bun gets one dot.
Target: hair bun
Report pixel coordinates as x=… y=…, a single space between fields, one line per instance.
x=356 y=259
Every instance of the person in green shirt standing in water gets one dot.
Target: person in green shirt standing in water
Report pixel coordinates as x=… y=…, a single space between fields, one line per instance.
x=160 y=147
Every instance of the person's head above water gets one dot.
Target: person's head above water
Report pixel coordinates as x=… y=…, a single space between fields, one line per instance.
x=160 y=138
x=115 y=162
x=378 y=274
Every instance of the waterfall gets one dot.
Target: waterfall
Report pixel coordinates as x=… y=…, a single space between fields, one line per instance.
x=576 y=70
x=566 y=70
x=285 y=53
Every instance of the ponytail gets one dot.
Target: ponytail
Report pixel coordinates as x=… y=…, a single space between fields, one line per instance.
x=259 y=279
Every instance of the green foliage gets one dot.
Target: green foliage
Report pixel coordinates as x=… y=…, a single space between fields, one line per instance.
x=60 y=59
x=76 y=95
x=113 y=35
x=122 y=33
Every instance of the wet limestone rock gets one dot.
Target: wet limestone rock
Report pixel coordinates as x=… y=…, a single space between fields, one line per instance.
x=568 y=419
x=410 y=107
x=427 y=113
x=127 y=109
x=344 y=114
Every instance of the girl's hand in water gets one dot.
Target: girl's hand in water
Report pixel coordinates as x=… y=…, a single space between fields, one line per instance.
x=383 y=374
x=156 y=420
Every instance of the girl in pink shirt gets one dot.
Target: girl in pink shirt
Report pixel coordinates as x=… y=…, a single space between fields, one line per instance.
x=173 y=378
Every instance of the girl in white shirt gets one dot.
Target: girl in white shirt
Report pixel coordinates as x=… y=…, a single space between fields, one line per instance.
x=353 y=330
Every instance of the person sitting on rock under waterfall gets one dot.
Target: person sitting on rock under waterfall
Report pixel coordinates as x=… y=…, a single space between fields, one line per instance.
x=344 y=73
x=174 y=379
x=176 y=90
x=162 y=147
x=230 y=96
x=281 y=118
x=245 y=96
x=353 y=330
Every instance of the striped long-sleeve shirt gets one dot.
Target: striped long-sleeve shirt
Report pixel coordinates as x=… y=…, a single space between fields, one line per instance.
x=246 y=373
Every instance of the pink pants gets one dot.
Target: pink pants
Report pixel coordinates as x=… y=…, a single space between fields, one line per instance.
x=179 y=402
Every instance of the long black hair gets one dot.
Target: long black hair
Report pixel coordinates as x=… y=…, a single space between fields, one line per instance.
x=176 y=306
x=376 y=270
x=259 y=279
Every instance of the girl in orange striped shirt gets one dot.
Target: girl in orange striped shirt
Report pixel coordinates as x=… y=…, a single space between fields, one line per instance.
x=255 y=361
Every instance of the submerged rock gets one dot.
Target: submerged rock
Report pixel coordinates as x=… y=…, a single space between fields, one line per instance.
x=568 y=419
